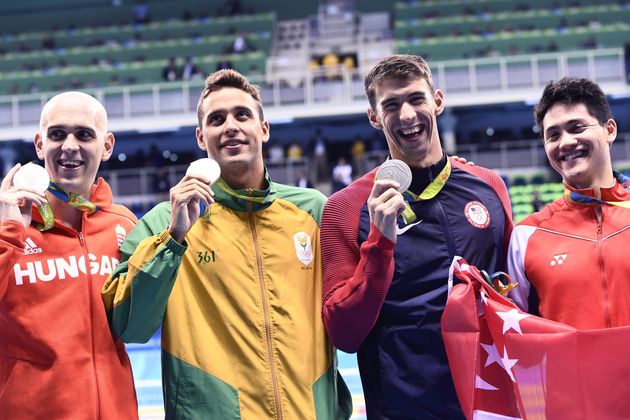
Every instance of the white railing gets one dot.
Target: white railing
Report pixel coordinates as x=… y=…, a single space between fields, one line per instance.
x=467 y=82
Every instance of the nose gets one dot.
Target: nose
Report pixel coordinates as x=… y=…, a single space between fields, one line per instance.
x=407 y=112
x=566 y=141
x=70 y=143
x=231 y=125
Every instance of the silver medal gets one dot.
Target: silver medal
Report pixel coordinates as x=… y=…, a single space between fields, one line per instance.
x=206 y=168
x=32 y=175
x=395 y=170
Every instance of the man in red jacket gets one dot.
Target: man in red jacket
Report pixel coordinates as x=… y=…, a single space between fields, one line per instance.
x=58 y=358
x=570 y=258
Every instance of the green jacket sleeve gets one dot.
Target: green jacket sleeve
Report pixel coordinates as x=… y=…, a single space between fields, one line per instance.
x=137 y=292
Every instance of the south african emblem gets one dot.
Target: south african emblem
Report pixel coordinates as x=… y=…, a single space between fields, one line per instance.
x=303 y=247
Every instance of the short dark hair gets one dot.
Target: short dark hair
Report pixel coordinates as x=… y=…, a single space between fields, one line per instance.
x=398 y=66
x=573 y=91
x=228 y=78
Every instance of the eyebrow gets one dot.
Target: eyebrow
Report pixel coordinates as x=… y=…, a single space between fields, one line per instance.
x=224 y=111
x=394 y=98
x=573 y=121
x=70 y=128
x=243 y=108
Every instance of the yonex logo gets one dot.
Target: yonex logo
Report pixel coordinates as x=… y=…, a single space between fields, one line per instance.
x=31 y=248
x=558 y=259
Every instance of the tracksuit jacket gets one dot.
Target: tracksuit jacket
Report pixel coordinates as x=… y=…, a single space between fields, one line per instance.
x=385 y=300
x=240 y=308
x=58 y=358
x=572 y=267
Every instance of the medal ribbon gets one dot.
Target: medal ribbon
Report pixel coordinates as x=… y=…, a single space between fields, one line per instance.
x=73 y=199
x=578 y=198
x=223 y=186
x=429 y=192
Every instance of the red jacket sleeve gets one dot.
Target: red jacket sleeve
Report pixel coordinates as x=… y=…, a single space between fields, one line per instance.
x=356 y=279
x=11 y=249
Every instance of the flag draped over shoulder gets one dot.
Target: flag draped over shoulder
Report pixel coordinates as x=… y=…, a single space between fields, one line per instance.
x=507 y=364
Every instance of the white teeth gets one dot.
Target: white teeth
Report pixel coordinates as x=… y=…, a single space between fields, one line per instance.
x=574 y=155
x=410 y=131
x=70 y=163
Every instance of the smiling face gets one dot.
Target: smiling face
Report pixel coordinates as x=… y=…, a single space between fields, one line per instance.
x=578 y=146
x=73 y=140
x=406 y=111
x=232 y=133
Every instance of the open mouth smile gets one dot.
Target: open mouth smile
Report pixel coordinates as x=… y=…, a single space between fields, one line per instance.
x=70 y=164
x=574 y=155
x=409 y=132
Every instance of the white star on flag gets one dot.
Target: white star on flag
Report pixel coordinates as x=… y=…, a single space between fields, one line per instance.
x=481 y=384
x=493 y=354
x=480 y=310
x=507 y=364
x=511 y=320
x=484 y=296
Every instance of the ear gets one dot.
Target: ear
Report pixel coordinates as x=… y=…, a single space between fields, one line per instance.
x=611 y=128
x=373 y=117
x=39 y=146
x=199 y=135
x=265 y=129
x=438 y=97
x=110 y=140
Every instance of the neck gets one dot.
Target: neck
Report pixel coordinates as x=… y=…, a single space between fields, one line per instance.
x=245 y=181
x=64 y=213
x=423 y=176
x=605 y=180
x=433 y=157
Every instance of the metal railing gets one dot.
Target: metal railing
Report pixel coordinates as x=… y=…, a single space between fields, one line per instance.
x=316 y=93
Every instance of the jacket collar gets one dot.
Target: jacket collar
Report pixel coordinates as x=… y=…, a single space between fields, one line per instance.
x=617 y=192
x=422 y=177
x=244 y=199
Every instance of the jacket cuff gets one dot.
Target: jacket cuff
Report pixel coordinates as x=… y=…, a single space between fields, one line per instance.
x=171 y=244
x=379 y=240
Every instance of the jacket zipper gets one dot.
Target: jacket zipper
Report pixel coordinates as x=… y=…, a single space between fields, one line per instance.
x=263 y=295
x=448 y=233
x=89 y=276
x=602 y=271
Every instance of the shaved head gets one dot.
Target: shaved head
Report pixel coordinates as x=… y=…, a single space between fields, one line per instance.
x=87 y=102
x=73 y=140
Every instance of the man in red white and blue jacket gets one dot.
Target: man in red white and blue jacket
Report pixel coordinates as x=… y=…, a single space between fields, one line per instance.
x=385 y=280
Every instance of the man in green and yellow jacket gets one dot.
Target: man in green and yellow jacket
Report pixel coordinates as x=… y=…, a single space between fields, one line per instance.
x=238 y=290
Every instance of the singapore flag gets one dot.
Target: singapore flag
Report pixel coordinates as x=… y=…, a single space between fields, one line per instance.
x=507 y=364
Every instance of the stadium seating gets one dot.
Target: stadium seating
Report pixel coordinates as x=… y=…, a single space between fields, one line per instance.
x=59 y=53
x=522 y=196
x=477 y=29
x=98 y=43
